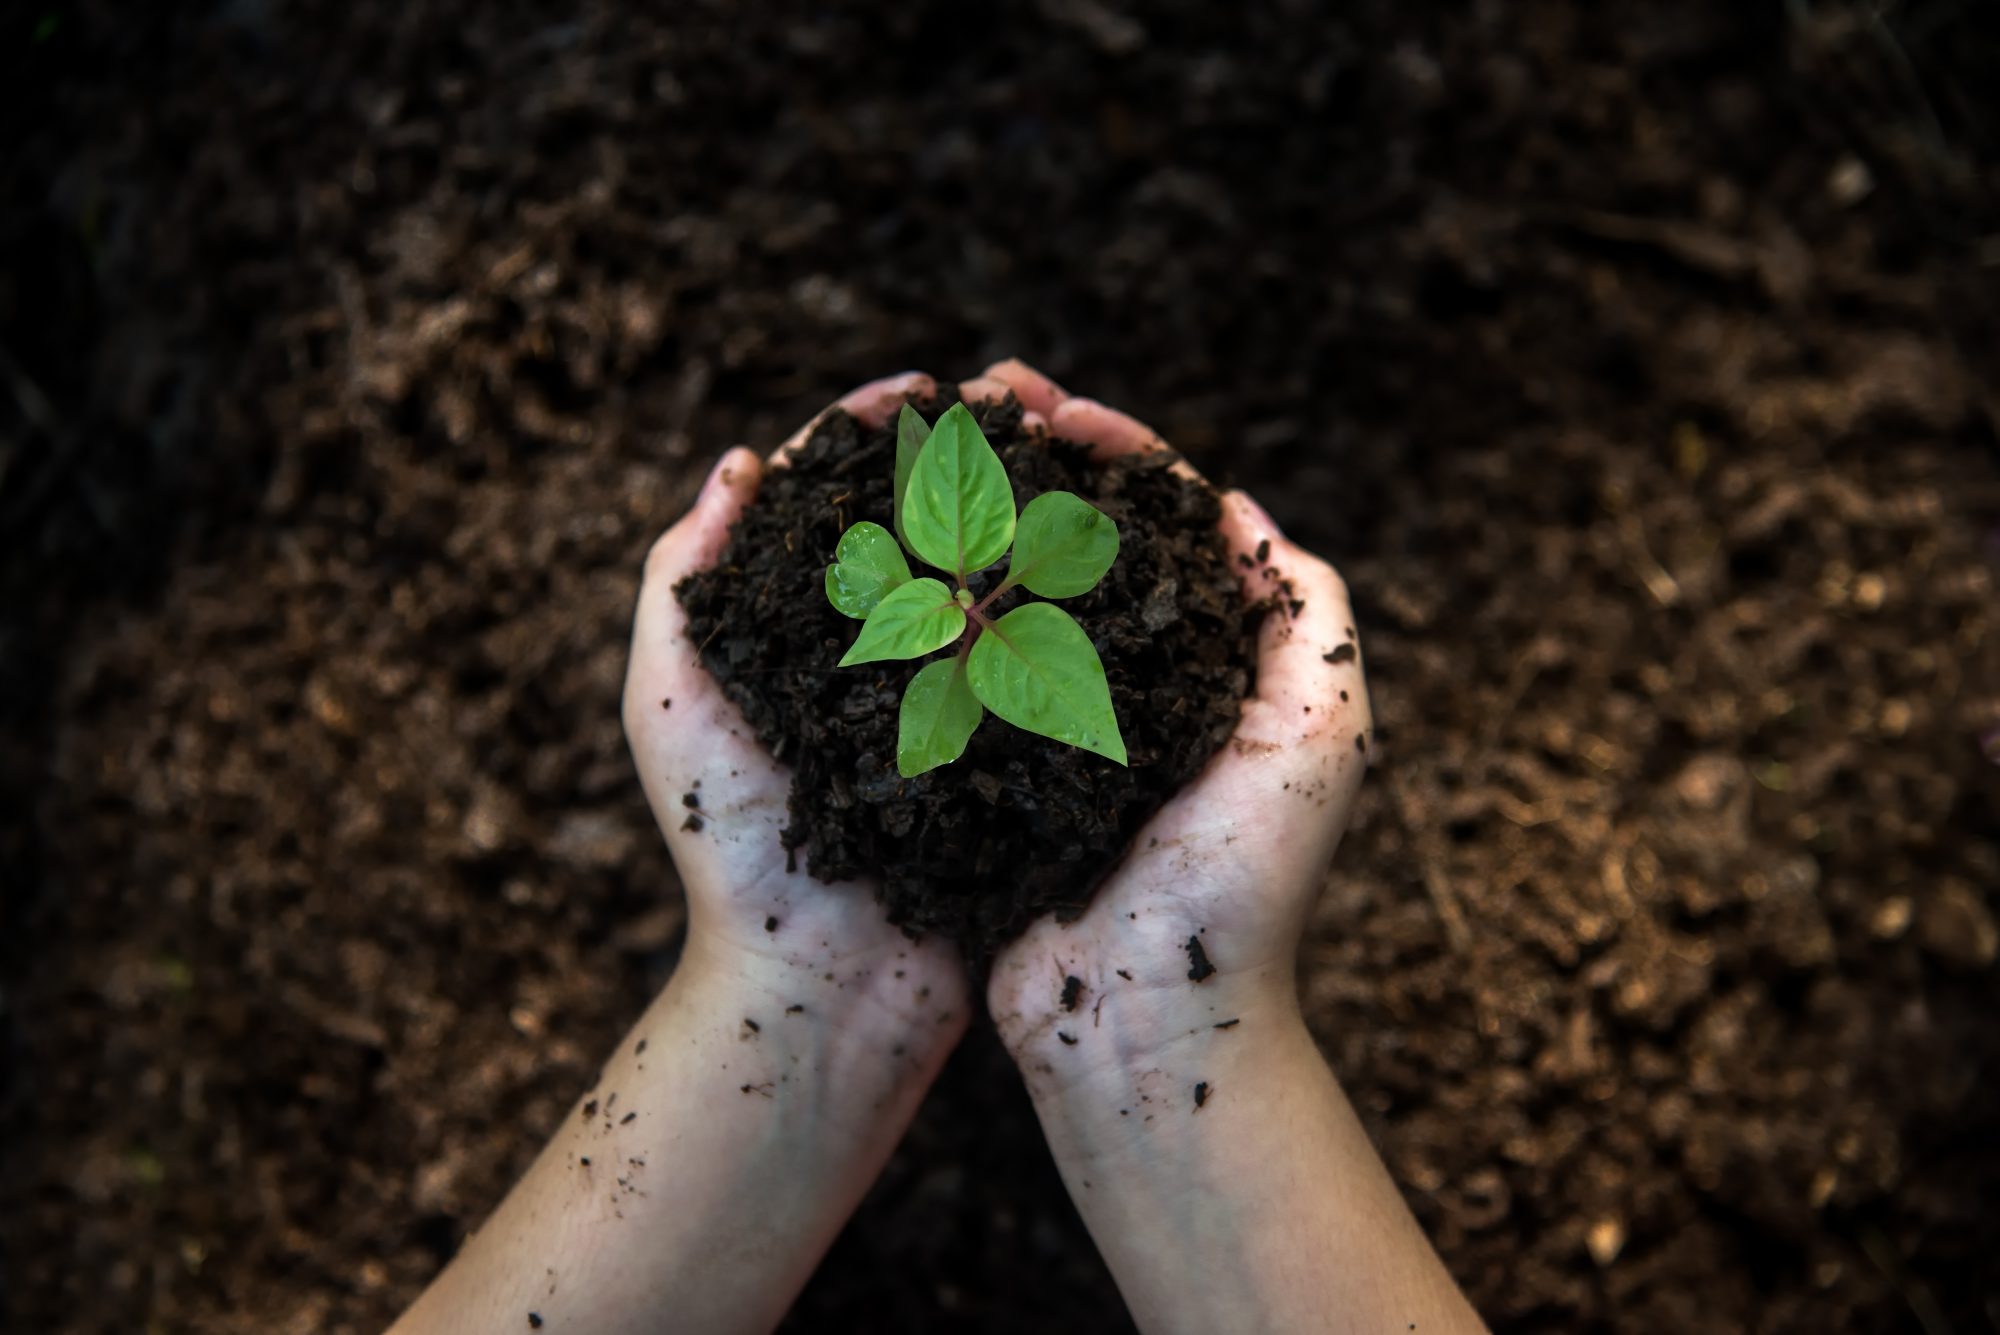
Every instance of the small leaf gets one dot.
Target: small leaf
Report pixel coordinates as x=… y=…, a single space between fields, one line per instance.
x=912 y=621
x=959 y=510
x=1063 y=546
x=1035 y=668
x=868 y=566
x=938 y=717
x=911 y=432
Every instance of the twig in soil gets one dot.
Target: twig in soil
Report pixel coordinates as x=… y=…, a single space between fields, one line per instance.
x=1666 y=590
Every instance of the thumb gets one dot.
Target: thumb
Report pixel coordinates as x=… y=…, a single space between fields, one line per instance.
x=730 y=486
x=698 y=537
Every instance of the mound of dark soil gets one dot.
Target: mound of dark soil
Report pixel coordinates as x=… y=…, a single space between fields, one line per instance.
x=1019 y=825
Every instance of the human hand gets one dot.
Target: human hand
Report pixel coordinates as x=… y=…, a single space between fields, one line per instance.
x=720 y=799
x=1234 y=861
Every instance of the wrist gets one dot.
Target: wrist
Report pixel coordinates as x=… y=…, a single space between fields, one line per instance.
x=870 y=1006
x=1128 y=1040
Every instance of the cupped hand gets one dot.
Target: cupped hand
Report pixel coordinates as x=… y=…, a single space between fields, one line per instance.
x=719 y=798
x=1235 y=860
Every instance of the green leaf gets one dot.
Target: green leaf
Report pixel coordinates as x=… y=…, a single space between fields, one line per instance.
x=912 y=621
x=1035 y=668
x=867 y=567
x=911 y=432
x=1063 y=546
x=938 y=717
x=959 y=510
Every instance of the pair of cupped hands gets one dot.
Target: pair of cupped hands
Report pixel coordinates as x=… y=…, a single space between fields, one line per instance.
x=1235 y=858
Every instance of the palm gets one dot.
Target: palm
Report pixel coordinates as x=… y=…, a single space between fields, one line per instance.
x=720 y=798
x=1222 y=862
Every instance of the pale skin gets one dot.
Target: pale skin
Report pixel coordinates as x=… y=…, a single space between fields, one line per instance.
x=782 y=1062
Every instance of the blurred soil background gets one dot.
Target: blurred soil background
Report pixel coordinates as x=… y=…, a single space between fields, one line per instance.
x=1635 y=362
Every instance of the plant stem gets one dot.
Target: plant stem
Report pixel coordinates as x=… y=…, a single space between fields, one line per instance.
x=987 y=601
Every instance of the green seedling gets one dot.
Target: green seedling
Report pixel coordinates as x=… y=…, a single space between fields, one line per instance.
x=1034 y=666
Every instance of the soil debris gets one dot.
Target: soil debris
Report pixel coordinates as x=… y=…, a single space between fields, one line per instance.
x=1199 y=967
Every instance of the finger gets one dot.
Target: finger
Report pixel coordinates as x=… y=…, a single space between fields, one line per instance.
x=992 y=389
x=982 y=389
x=874 y=403
x=1037 y=393
x=1302 y=737
x=1308 y=652
x=669 y=696
x=696 y=540
x=1110 y=433
x=664 y=665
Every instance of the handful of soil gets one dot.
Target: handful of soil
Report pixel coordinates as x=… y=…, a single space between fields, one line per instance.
x=1019 y=825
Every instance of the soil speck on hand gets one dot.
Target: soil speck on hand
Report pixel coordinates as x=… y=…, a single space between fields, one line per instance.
x=1200 y=1093
x=693 y=824
x=691 y=800
x=1230 y=1024
x=1342 y=654
x=771 y=922
x=1072 y=991
x=1198 y=966
x=1069 y=1040
x=534 y=1321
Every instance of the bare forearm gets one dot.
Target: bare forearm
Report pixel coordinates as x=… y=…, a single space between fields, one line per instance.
x=699 y=1182
x=1224 y=1175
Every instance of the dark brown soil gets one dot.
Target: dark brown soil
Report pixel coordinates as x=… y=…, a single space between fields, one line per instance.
x=1018 y=826
x=1634 y=362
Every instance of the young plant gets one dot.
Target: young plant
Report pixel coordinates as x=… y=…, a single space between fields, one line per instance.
x=1034 y=667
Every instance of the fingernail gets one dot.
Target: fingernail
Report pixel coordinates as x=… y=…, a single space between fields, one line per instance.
x=723 y=475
